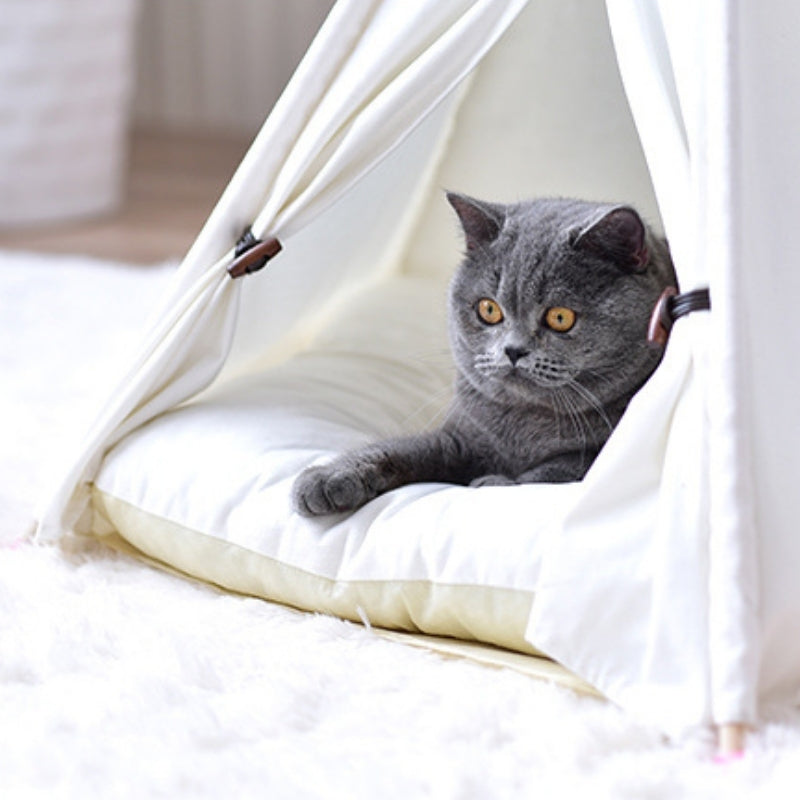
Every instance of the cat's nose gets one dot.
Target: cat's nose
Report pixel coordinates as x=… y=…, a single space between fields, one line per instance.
x=516 y=353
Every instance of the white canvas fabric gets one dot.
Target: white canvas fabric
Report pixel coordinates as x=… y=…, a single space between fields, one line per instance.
x=673 y=58
x=374 y=72
x=697 y=57
x=708 y=85
x=765 y=193
x=665 y=579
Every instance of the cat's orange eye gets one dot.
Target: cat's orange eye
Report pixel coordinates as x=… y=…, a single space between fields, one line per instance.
x=560 y=319
x=489 y=311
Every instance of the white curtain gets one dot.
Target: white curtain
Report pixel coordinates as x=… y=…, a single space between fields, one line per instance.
x=670 y=628
x=723 y=76
x=373 y=73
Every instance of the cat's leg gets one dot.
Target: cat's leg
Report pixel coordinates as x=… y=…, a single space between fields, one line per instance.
x=563 y=468
x=494 y=480
x=354 y=478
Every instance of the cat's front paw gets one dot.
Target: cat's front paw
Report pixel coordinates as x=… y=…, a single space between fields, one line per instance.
x=493 y=480
x=331 y=488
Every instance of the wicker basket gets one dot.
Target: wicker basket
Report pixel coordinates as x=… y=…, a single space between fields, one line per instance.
x=66 y=73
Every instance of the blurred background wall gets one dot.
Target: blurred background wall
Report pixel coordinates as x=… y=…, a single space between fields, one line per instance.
x=218 y=65
x=121 y=121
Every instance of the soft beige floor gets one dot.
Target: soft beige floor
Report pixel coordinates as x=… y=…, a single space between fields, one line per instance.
x=174 y=181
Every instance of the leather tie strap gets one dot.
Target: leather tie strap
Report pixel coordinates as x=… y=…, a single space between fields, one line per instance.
x=252 y=254
x=672 y=306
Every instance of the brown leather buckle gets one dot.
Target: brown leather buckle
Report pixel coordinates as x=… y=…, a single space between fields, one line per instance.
x=671 y=306
x=252 y=254
x=661 y=320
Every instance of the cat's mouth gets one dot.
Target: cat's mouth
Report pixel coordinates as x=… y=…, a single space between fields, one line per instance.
x=542 y=371
x=544 y=380
x=527 y=383
x=526 y=374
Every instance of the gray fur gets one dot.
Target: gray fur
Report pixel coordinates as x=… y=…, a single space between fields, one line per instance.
x=531 y=405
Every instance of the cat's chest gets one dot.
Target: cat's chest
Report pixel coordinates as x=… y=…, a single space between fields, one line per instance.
x=513 y=436
x=513 y=439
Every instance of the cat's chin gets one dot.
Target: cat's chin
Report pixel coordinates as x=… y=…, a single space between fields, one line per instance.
x=519 y=388
x=531 y=382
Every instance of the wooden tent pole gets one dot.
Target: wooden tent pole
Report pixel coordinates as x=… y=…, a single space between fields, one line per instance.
x=730 y=741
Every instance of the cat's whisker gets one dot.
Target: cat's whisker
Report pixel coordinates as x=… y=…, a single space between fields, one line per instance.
x=604 y=377
x=564 y=408
x=435 y=399
x=580 y=424
x=452 y=417
x=557 y=413
x=593 y=401
x=433 y=358
x=486 y=364
x=602 y=371
x=589 y=427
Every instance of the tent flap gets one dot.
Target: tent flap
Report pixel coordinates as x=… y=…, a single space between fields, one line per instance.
x=335 y=122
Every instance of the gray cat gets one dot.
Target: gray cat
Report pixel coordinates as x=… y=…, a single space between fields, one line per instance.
x=548 y=320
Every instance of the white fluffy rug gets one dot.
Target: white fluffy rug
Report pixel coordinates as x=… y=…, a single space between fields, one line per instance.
x=117 y=680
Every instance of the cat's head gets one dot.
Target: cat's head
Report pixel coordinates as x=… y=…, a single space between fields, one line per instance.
x=554 y=297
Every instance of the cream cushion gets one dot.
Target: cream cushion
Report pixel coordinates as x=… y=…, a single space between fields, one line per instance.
x=205 y=488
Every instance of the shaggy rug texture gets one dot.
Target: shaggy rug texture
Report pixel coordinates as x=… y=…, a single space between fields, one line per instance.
x=118 y=680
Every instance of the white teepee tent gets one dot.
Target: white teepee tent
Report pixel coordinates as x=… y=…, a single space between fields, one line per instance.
x=665 y=578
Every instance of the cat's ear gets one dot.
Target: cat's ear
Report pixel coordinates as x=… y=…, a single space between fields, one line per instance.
x=619 y=235
x=481 y=221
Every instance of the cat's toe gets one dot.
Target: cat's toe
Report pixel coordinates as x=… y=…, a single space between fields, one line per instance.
x=308 y=493
x=327 y=490
x=345 y=491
